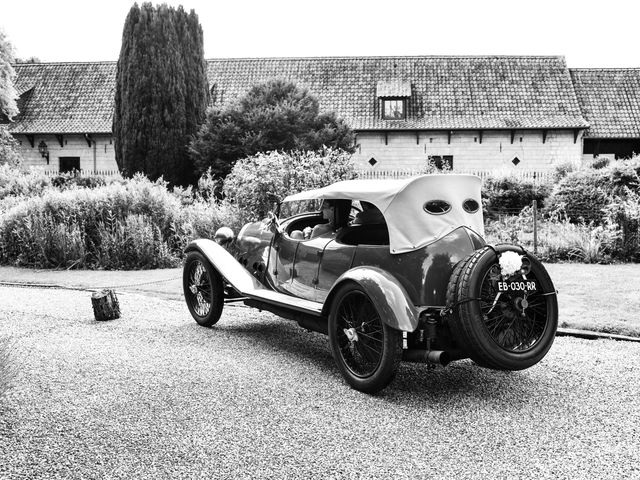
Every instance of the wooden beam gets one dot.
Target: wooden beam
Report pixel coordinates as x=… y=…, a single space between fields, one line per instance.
x=60 y=139
x=386 y=138
x=513 y=135
x=544 y=136
x=449 y=136
x=480 y=133
x=576 y=132
x=32 y=140
x=417 y=138
x=87 y=137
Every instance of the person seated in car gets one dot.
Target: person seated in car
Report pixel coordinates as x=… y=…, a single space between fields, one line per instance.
x=328 y=214
x=369 y=215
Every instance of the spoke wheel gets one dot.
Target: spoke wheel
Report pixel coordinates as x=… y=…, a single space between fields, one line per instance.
x=501 y=330
x=367 y=352
x=515 y=321
x=203 y=289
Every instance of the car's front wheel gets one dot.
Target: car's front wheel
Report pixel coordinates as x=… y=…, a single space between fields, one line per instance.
x=366 y=351
x=203 y=289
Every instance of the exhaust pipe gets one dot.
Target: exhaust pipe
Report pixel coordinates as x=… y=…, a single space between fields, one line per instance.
x=439 y=357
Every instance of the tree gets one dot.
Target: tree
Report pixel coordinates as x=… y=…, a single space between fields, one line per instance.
x=161 y=92
x=8 y=93
x=8 y=107
x=276 y=115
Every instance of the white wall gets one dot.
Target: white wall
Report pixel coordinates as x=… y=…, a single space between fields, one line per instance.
x=100 y=156
x=404 y=151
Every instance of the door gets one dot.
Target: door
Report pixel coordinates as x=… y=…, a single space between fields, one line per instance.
x=69 y=164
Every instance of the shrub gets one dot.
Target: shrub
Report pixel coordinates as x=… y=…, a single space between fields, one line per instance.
x=257 y=182
x=509 y=194
x=584 y=194
x=600 y=162
x=132 y=223
x=275 y=115
x=14 y=183
x=623 y=215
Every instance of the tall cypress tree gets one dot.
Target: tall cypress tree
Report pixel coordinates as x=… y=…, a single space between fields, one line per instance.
x=161 y=92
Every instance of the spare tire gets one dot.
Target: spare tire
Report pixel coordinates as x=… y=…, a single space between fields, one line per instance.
x=504 y=322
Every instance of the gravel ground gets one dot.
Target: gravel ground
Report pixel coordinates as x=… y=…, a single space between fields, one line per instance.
x=153 y=395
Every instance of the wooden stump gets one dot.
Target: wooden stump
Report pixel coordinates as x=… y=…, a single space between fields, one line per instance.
x=105 y=305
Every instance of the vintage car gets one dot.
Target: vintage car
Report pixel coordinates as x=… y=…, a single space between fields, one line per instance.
x=400 y=272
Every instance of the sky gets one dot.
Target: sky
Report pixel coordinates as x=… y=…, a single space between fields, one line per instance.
x=588 y=34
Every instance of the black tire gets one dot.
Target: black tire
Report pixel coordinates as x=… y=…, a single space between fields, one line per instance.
x=368 y=360
x=496 y=331
x=203 y=289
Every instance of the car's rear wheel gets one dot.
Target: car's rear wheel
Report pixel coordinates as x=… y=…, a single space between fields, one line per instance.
x=203 y=289
x=366 y=351
x=503 y=330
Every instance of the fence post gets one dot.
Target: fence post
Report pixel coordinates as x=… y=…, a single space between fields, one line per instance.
x=535 y=227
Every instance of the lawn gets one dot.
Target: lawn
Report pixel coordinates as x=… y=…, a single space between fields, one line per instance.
x=604 y=298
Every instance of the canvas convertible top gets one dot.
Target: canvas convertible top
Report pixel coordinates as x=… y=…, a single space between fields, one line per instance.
x=402 y=202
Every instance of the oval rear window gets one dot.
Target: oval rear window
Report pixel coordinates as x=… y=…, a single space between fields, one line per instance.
x=437 y=207
x=470 y=205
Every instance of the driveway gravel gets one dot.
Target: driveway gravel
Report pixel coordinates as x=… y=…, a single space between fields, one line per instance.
x=153 y=395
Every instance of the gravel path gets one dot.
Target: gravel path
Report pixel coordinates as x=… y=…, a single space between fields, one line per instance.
x=152 y=395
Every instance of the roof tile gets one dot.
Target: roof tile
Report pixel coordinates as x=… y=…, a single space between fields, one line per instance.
x=610 y=101
x=444 y=92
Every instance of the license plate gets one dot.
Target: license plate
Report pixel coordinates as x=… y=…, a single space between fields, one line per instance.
x=518 y=286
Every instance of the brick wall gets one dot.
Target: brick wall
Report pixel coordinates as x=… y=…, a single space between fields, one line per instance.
x=100 y=156
x=406 y=150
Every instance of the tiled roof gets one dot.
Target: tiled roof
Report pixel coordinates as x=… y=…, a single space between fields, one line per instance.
x=65 y=97
x=610 y=101
x=393 y=88
x=445 y=92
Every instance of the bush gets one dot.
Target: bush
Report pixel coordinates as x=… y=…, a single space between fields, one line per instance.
x=132 y=223
x=14 y=183
x=623 y=215
x=558 y=238
x=275 y=115
x=582 y=195
x=257 y=182
x=510 y=194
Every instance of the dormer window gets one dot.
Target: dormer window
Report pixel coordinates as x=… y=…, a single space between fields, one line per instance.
x=393 y=96
x=393 y=109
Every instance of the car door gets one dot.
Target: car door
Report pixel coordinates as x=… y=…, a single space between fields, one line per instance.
x=336 y=259
x=305 y=273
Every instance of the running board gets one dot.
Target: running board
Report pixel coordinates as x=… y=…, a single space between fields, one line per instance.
x=286 y=301
x=246 y=284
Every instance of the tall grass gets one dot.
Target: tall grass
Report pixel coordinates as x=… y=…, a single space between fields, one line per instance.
x=122 y=225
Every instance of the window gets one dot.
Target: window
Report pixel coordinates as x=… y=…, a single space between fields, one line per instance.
x=441 y=162
x=393 y=109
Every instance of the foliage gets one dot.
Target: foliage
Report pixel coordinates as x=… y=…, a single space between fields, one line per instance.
x=161 y=92
x=276 y=115
x=622 y=215
x=509 y=194
x=8 y=93
x=101 y=223
x=558 y=238
x=8 y=148
x=259 y=181
x=583 y=194
x=14 y=183
x=431 y=167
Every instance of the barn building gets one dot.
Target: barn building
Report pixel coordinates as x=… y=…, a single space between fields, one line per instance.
x=474 y=113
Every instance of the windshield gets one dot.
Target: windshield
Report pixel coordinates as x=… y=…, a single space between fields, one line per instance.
x=298 y=207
